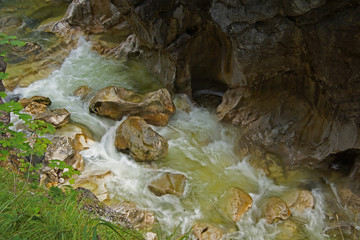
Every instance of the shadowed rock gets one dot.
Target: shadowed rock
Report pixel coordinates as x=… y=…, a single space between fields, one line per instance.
x=115 y=103
x=136 y=137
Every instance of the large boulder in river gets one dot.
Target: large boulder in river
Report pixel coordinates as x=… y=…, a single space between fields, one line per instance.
x=57 y=117
x=168 y=183
x=276 y=209
x=238 y=203
x=115 y=103
x=136 y=137
x=38 y=99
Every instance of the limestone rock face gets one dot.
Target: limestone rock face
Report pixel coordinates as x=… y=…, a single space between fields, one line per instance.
x=294 y=53
x=57 y=117
x=276 y=209
x=115 y=102
x=136 y=137
x=206 y=232
x=92 y=15
x=239 y=202
x=168 y=183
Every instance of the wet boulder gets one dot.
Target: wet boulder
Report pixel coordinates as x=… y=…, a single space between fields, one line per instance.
x=35 y=108
x=82 y=91
x=136 y=137
x=276 y=209
x=238 y=203
x=39 y=99
x=138 y=218
x=115 y=103
x=57 y=117
x=203 y=231
x=168 y=183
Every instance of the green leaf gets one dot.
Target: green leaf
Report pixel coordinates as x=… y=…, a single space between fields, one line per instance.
x=3 y=75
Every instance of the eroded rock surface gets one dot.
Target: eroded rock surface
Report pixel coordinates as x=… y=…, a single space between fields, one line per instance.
x=294 y=53
x=136 y=137
x=115 y=103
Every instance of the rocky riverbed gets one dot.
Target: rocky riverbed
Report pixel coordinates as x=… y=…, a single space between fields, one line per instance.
x=283 y=75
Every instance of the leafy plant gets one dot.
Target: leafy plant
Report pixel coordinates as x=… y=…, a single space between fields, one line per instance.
x=6 y=43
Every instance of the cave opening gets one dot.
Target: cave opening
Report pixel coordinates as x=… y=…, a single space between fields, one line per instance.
x=345 y=162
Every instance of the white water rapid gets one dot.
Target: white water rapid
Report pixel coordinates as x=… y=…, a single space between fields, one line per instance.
x=200 y=148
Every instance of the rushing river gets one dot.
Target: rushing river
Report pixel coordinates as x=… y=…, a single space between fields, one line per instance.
x=200 y=148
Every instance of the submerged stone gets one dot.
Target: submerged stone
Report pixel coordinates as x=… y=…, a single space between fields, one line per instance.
x=299 y=200
x=82 y=91
x=115 y=103
x=276 y=209
x=168 y=183
x=136 y=137
x=204 y=231
x=288 y=230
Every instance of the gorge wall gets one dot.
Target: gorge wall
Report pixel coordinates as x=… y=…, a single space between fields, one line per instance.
x=288 y=71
